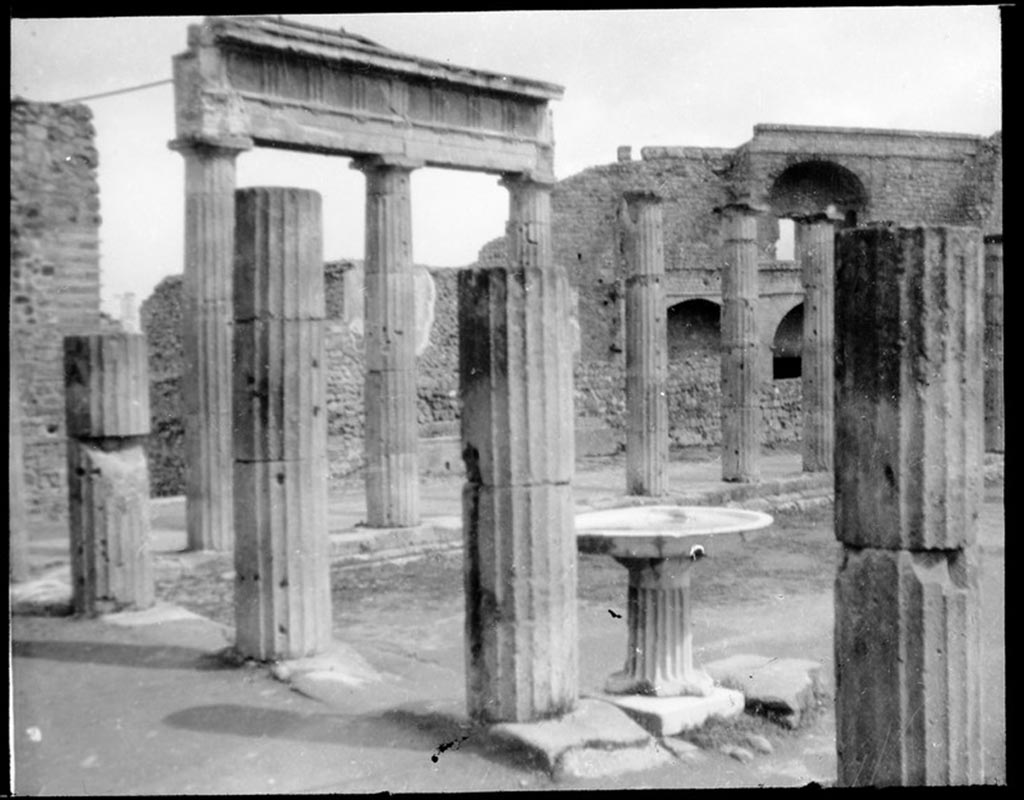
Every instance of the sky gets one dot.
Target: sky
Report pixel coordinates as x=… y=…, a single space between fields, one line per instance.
x=638 y=78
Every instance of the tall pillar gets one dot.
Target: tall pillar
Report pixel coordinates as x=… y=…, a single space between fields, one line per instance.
x=16 y=515
x=392 y=434
x=206 y=341
x=815 y=244
x=640 y=226
x=909 y=448
x=517 y=438
x=741 y=402
x=282 y=582
x=107 y=412
x=995 y=413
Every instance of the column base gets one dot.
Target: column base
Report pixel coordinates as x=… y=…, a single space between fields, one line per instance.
x=668 y=716
x=695 y=684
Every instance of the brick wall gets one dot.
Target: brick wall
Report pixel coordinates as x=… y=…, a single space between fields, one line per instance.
x=54 y=278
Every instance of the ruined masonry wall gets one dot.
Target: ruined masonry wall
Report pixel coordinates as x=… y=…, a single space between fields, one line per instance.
x=54 y=278
x=437 y=403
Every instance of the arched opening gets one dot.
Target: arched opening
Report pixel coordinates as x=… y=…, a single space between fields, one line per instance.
x=694 y=328
x=811 y=187
x=787 y=346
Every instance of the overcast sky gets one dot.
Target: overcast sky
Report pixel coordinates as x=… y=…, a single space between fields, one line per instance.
x=665 y=77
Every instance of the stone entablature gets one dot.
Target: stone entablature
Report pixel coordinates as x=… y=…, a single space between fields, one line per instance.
x=266 y=81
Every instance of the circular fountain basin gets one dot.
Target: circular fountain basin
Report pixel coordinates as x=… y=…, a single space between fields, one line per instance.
x=666 y=531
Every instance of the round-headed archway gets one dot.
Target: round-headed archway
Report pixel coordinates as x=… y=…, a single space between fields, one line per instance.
x=810 y=187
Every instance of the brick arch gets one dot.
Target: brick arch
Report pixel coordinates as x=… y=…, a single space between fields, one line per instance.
x=811 y=186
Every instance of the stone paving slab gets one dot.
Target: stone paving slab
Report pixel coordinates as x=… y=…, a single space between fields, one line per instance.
x=593 y=740
x=668 y=716
x=783 y=688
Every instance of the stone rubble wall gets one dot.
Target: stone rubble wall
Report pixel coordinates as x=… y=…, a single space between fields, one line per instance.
x=54 y=279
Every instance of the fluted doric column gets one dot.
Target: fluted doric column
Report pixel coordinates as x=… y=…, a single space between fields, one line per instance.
x=392 y=435
x=815 y=244
x=741 y=402
x=642 y=248
x=517 y=436
x=206 y=341
x=282 y=581
x=995 y=409
x=909 y=449
x=107 y=410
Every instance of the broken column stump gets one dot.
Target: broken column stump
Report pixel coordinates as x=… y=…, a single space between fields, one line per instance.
x=517 y=437
x=282 y=582
x=392 y=433
x=908 y=492
x=816 y=247
x=642 y=248
x=995 y=409
x=741 y=404
x=107 y=412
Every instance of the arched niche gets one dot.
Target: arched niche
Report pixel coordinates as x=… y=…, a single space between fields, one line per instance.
x=694 y=328
x=787 y=345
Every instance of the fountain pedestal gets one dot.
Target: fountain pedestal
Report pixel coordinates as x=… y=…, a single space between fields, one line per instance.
x=659 y=546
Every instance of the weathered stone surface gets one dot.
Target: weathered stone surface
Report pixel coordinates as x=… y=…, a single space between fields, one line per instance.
x=106 y=385
x=279 y=408
x=995 y=402
x=516 y=368
x=111 y=566
x=17 y=519
x=668 y=716
x=741 y=754
x=206 y=342
x=646 y=344
x=907 y=643
x=282 y=585
x=521 y=617
x=782 y=688
x=816 y=248
x=741 y=413
x=276 y=228
x=909 y=439
x=517 y=435
x=391 y=438
x=562 y=744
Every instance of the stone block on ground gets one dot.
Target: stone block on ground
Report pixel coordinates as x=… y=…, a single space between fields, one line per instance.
x=593 y=740
x=667 y=716
x=339 y=664
x=782 y=688
x=47 y=595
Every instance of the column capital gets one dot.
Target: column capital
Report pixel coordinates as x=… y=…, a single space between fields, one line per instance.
x=742 y=205
x=642 y=196
x=233 y=145
x=386 y=161
x=511 y=180
x=816 y=216
x=993 y=238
